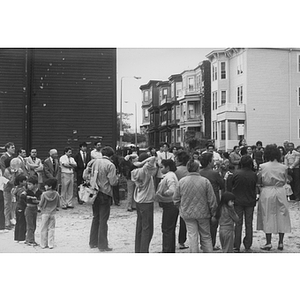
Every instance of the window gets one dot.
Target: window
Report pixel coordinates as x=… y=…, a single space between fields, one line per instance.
x=178 y=135
x=146 y=96
x=198 y=82
x=223 y=97
x=239 y=65
x=215 y=130
x=191 y=113
x=178 y=89
x=214 y=73
x=146 y=113
x=172 y=89
x=150 y=97
x=240 y=94
x=165 y=93
x=223 y=131
x=160 y=95
x=191 y=84
x=215 y=100
x=173 y=114
x=223 y=70
x=177 y=112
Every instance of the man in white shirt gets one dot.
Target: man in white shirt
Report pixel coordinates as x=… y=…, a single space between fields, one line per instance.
x=67 y=165
x=96 y=153
x=163 y=153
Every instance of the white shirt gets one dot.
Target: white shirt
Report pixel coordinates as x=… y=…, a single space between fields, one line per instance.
x=3 y=181
x=160 y=157
x=66 y=160
x=96 y=154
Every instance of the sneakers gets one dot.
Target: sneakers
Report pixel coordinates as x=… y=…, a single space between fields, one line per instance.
x=183 y=246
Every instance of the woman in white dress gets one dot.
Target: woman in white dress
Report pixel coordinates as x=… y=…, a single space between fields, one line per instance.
x=273 y=213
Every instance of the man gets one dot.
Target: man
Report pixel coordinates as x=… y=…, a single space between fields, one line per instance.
x=10 y=151
x=197 y=206
x=51 y=165
x=258 y=154
x=35 y=166
x=96 y=153
x=181 y=160
x=210 y=148
x=144 y=195
x=163 y=153
x=235 y=157
x=292 y=161
x=23 y=164
x=244 y=188
x=103 y=178
x=82 y=158
x=217 y=183
x=67 y=166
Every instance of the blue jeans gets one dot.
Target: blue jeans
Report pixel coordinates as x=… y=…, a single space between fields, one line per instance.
x=30 y=215
x=168 y=226
x=144 y=227
x=20 y=228
x=99 y=228
x=242 y=211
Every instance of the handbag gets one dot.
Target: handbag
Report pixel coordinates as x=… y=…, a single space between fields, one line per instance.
x=87 y=194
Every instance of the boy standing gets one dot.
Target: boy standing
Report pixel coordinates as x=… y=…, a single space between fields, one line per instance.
x=49 y=202
x=20 y=228
x=32 y=198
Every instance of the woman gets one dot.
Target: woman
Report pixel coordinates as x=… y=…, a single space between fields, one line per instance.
x=282 y=154
x=164 y=195
x=272 y=213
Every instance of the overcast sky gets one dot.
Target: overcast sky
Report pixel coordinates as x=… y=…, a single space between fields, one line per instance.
x=151 y=64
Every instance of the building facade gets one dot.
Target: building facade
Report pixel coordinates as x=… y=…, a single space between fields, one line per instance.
x=150 y=111
x=255 y=95
x=178 y=106
x=195 y=103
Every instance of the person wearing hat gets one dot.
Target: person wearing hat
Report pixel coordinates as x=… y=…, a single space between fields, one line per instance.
x=144 y=195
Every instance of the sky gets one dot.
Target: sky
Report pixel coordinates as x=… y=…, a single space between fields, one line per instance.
x=150 y=64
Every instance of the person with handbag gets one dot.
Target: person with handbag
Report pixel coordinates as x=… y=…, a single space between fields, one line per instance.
x=103 y=177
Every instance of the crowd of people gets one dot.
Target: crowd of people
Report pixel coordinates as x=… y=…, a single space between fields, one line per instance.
x=207 y=190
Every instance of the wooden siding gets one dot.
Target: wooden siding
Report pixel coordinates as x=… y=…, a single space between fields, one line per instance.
x=71 y=97
x=12 y=96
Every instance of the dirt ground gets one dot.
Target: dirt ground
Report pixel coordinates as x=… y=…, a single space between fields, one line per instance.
x=73 y=227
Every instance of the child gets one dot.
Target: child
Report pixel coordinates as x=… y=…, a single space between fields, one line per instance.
x=288 y=188
x=3 y=182
x=32 y=198
x=49 y=202
x=20 y=193
x=227 y=217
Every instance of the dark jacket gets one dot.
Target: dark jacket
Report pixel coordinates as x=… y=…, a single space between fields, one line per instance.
x=215 y=179
x=244 y=187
